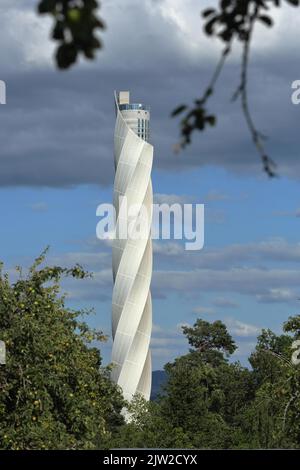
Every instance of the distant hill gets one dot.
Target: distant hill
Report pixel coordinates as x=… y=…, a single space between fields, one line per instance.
x=159 y=378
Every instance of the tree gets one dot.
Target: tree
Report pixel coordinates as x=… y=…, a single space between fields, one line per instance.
x=210 y=403
x=291 y=415
x=196 y=408
x=270 y=357
x=54 y=392
x=206 y=396
x=270 y=420
x=210 y=339
x=149 y=428
x=197 y=399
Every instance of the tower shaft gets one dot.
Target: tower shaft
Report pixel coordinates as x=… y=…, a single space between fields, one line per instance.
x=132 y=256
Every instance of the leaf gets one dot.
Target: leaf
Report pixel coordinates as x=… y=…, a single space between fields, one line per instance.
x=209 y=26
x=74 y=15
x=293 y=2
x=266 y=20
x=91 y=4
x=58 y=31
x=179 y=110
x=47 y=6
x=211 y=120
x=208 y=12
x=225 y=4
x=66 y=55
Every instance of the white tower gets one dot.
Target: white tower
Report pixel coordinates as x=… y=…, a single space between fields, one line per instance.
x=132 y=257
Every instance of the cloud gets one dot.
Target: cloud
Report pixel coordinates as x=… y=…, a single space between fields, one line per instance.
x=203 y=310
x=24 y=37
x=168 y=343
x=172 y=199
x=245 y=348
x=278 y=296
x=39 y=207
x=245 y=281
x=89 y=260
x=223 y=302
x=274 y=250
x=221 y=271
x=215 y=216
x=294 y=213
x=57 y=128
x=166 y=354
x=167 y=248
x=97 y=288
x=241 y=329
x=215 y=195
x=156 y=328
x=157 y=342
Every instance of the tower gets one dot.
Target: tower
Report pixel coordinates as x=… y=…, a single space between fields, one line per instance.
x=132 y=256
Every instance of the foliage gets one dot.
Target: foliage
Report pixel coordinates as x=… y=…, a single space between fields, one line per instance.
x=75 y=27
x=54 y=392
x=148 y=428
x=205 y=336
x=210 y=403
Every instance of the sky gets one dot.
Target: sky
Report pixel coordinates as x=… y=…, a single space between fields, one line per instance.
x=56 y=165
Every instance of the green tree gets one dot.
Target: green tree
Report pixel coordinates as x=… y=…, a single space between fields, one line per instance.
x=209 y=402
x=270 y=357
x=54 y=392
x=291 y=415
x=212 y=340
x=204 y=394
x=268 y=421
x=193 y=400
x=201 y=401
x=149 y=428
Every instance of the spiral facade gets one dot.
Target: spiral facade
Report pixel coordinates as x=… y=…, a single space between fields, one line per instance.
x=132 y=255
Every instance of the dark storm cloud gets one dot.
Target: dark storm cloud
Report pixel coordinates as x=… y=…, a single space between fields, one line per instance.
x=53 y=134
x=57 y=128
